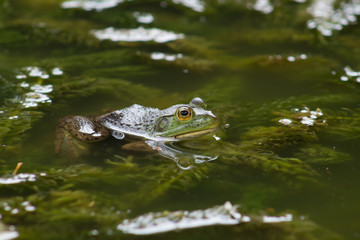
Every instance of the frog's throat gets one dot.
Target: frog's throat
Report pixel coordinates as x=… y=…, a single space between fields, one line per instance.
x=195 y=134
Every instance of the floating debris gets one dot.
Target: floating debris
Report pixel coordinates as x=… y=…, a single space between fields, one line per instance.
x=17 y=168
x=139 y=34
x=153 y=223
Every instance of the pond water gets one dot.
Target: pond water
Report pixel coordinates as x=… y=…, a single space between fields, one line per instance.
x=283 y=78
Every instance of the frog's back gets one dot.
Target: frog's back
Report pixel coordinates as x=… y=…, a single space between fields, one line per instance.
x=135 y=120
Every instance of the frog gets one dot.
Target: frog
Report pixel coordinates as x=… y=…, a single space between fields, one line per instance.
x=175 y=123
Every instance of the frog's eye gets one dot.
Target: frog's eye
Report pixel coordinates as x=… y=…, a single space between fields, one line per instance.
x=183 y=113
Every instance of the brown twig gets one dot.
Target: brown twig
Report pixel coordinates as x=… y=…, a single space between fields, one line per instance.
x=18 y=166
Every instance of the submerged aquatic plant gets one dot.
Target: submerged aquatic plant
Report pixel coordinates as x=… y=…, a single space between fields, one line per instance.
x=285 y=95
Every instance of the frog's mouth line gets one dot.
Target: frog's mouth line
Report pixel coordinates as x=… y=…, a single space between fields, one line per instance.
x=195 y=134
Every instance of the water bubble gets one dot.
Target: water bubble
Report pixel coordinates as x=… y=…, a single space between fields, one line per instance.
x=118 y=135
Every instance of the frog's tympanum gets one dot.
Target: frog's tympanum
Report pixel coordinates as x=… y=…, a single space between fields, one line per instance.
x=178 y=122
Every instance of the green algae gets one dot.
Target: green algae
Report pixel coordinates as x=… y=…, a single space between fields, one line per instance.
x=237 y=59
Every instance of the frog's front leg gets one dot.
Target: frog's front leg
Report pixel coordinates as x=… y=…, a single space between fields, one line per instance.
x=81 y=128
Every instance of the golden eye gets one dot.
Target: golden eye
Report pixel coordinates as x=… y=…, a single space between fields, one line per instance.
x=184 y=113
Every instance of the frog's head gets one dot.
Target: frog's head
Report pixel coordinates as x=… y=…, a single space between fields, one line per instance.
x=186 y=121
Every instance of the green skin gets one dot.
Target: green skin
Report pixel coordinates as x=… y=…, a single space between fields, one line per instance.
x=142 y=122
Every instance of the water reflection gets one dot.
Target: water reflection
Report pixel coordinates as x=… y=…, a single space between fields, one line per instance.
x=57 y=71
x=302 y=56
x=183 y=157
x=164 y=56
x=305 y=116
x=277 y=219
x=19 y=178
x=33 y=98
x=144 y=18
x=158 y=222
x=139 y=34
x=89 y=5
x=8 y=235
x=327 y=18
x=38 y=93
x=350 y=74
x=263 y=6
x=196 y=5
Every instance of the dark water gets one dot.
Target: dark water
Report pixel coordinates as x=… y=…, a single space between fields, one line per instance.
x=282 y=76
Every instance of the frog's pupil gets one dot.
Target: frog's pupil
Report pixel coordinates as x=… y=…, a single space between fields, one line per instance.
x=184 y=113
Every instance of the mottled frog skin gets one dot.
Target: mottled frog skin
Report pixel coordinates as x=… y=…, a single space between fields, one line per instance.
x=178 y=122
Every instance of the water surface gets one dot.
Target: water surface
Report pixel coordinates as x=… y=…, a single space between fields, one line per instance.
x=282 y=76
